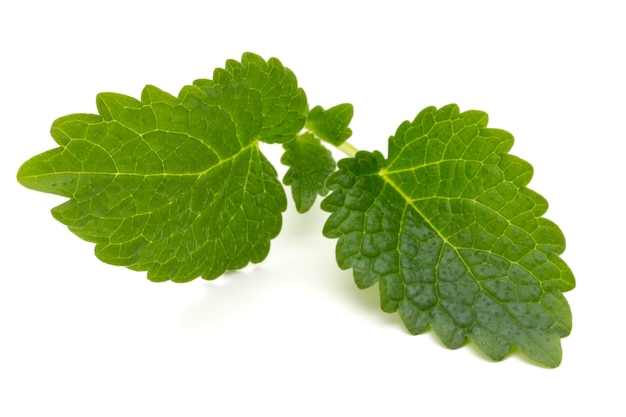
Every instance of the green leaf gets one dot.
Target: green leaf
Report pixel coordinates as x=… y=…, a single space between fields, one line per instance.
x=310 y=164
x=176 y=186
x=331 y=125
x=455 y=240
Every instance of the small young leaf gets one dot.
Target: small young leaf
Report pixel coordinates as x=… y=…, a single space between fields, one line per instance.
x=310 y=164
x=331 y=125
x=176 y=186
x=455 y=240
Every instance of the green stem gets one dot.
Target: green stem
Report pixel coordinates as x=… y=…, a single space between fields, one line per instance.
x=348 y=149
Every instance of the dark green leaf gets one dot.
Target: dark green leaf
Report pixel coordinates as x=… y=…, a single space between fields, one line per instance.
x=455 y=240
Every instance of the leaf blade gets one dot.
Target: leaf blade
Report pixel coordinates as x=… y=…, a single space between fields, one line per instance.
x=331 y=124
x=453 y=237
x=173 y=185
x=310 y=164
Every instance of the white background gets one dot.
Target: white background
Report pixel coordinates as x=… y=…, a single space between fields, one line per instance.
x=293 y=336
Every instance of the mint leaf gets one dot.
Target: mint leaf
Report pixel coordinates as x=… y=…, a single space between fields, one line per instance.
x=176 y=186
x=455 y=240
x=310 y=165
x=331 y=125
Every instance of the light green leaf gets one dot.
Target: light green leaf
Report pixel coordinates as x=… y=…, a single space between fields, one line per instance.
x=455 y=240
x=331 y=125
x=310 y=164
x=176 y=186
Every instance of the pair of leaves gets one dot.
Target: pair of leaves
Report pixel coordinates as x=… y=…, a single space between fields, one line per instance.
x=179 y=187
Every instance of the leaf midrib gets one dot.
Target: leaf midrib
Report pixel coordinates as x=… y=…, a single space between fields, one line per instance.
x=160 y=174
